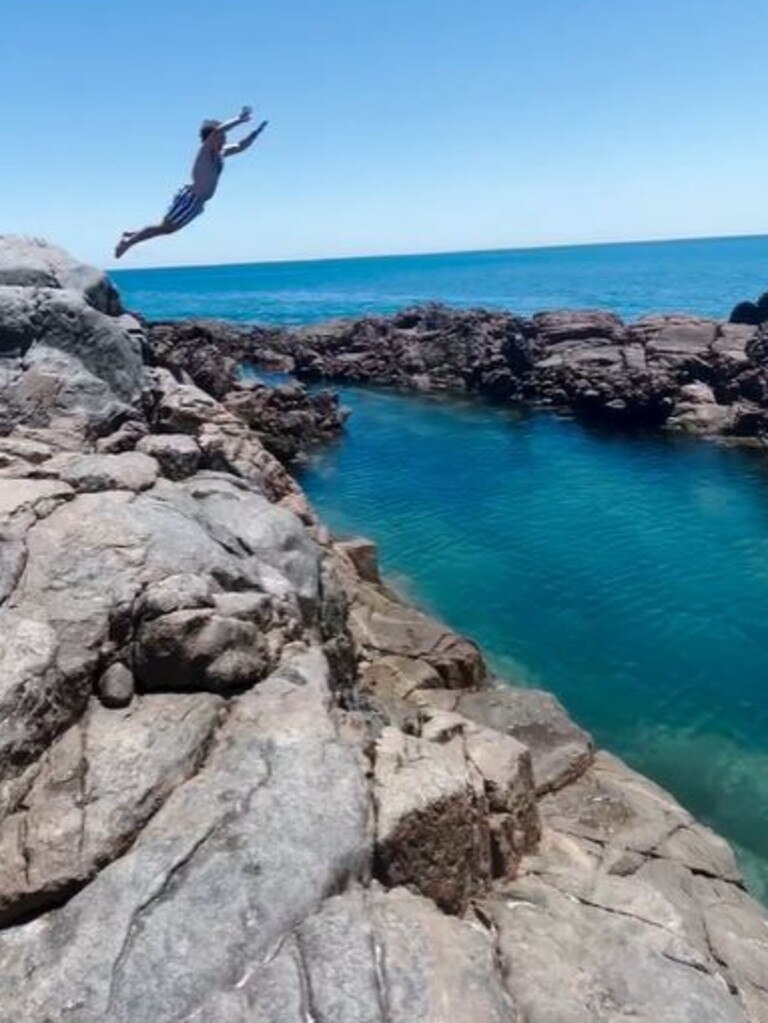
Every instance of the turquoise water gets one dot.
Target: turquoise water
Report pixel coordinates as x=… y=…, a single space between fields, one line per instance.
x=706 y=277
x=629 y=575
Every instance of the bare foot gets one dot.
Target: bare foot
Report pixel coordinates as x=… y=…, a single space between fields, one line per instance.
x=124 y=244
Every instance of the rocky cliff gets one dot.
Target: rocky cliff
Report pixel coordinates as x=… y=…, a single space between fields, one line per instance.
x=241 y=780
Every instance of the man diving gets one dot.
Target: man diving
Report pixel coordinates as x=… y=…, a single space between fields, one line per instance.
x=190 y=201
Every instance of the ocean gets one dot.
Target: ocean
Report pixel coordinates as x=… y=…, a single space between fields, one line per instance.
x=628 y=575
x=702 y=276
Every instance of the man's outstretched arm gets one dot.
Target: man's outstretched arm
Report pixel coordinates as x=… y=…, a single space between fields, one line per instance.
x=243 y=144
x=243 y=118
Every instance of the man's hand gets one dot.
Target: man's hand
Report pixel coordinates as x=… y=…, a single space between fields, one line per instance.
x=243 y=118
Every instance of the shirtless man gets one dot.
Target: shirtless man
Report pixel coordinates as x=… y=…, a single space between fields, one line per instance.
x=190 y=201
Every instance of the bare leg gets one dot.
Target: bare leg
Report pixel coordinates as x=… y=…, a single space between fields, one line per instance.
x=131 y=238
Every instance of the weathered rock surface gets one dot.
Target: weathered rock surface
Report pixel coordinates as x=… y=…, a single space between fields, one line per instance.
x=71 y=357
x=621 y=847
x=30 y=263
x=560 y=750
x=384 y=626
x=287 y=419
x=241 y=781
x=576 y=961
x=675 y=372
x=206 y=353
x=129 y=470
x=225 y=441
x=236 y=857
x=455 y=808
x=177 y=454
x=373 y=956
x=93 y=790
x=431 y=819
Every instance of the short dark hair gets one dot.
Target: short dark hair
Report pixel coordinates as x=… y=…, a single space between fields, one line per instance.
x=206 y=128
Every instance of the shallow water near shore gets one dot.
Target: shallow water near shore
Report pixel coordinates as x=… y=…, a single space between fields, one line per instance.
x=628 y=575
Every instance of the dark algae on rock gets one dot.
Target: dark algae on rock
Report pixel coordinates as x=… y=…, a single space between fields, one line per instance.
x=242 y=781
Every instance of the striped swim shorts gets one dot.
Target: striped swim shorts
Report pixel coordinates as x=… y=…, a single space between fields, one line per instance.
x=184 y=208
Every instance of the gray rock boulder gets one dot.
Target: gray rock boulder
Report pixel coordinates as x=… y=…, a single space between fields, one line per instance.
x=79 y=358
x=432 y=829
x=455 y=807
x=116 y=686
x=32 y=263
x=129 y=470
x=183 y=592
x=79 y=585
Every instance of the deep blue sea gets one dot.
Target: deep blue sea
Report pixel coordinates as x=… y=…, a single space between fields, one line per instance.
x=629 y=575
x=706 y=277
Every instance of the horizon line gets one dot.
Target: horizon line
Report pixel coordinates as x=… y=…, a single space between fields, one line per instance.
x=442 y=252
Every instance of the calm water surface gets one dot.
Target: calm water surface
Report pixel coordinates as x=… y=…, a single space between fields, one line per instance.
x=627 y=575
x=703 y=276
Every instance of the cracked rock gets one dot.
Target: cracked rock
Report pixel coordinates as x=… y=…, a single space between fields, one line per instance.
x=232 y=862
x=560 y=750
x=92 y=792
x=566 y=960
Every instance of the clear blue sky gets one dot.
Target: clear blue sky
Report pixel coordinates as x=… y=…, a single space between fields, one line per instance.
x=397 y=126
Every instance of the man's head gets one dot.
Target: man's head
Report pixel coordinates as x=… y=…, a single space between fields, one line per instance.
x=212 y=135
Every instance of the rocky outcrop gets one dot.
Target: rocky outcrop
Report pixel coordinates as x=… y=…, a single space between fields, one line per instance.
x=751 y=313
x=31 y=264
x=287 y=419
x=241 y=780
x=680 y=373
x=673 y=372
x=69 y=358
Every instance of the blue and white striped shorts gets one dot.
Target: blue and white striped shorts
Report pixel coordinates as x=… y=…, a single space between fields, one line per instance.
x=184 y=208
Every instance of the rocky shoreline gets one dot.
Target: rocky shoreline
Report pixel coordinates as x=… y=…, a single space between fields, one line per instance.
x=240 y=779
x=676 y=373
